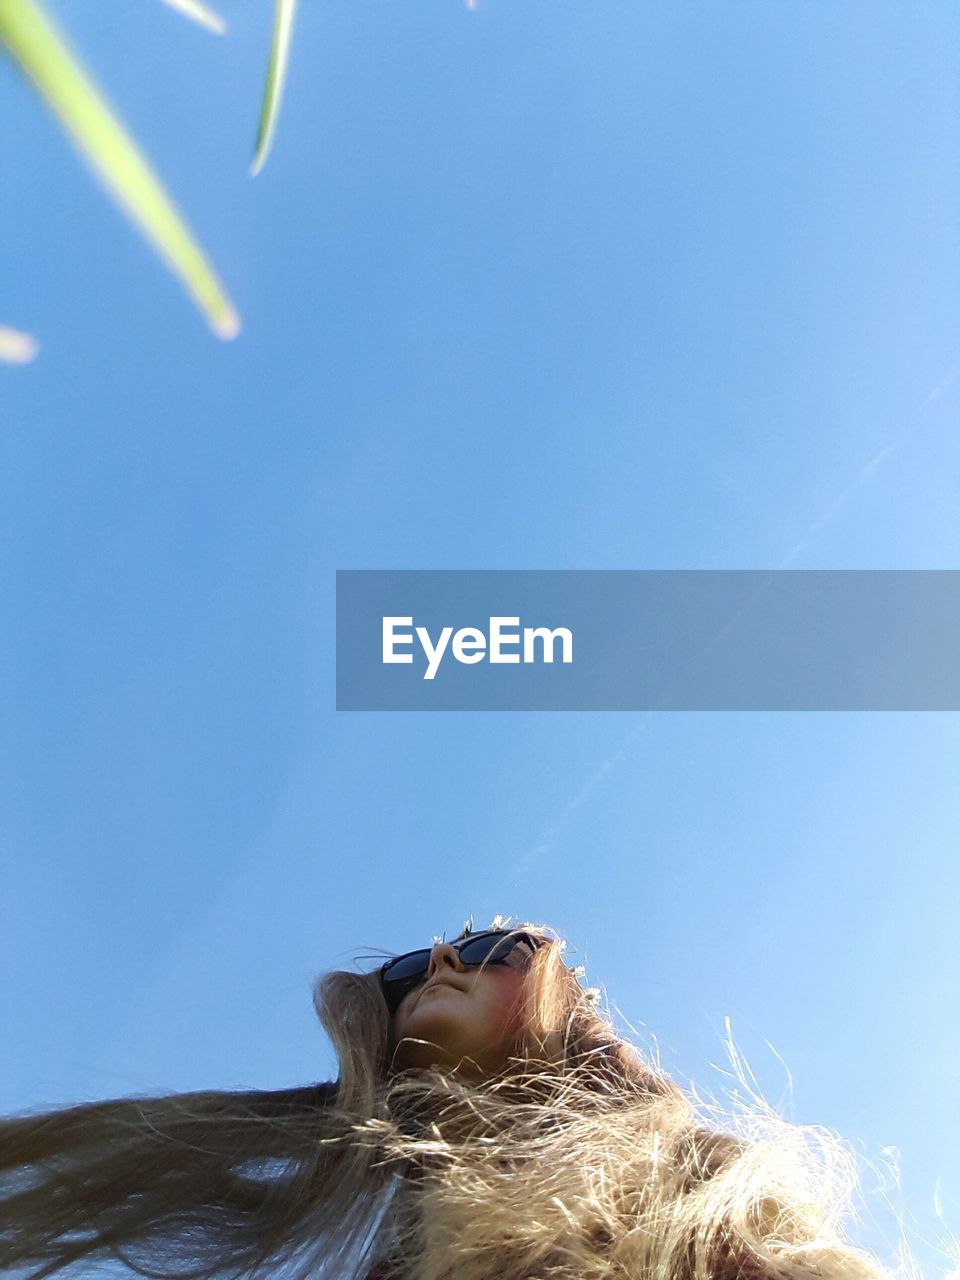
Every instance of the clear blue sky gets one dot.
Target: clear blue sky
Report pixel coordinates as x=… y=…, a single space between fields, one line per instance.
x=538 y=285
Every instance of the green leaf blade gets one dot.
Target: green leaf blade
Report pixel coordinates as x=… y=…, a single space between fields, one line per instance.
x=70 y=93
x=276 y=78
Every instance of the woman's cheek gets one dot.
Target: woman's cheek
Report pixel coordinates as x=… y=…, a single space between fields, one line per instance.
x=507 y=998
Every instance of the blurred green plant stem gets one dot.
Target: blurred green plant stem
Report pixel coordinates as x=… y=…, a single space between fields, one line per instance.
x=276 y=78
x=71 y=94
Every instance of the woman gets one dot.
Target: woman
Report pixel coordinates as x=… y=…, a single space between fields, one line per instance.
x=487 y=1122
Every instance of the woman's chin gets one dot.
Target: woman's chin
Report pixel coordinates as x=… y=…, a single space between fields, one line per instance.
x=416 y=1054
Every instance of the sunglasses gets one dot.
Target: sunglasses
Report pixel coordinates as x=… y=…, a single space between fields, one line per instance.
x=403 y=973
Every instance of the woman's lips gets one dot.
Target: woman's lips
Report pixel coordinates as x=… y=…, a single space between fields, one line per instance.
x=439 y=984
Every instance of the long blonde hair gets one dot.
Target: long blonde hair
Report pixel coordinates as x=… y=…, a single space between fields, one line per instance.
x=581 y=1160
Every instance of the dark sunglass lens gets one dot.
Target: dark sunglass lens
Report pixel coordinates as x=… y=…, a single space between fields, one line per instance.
x=491 y=948
x=403 y=968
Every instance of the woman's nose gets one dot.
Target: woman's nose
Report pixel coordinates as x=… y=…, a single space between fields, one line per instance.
x=444 y=954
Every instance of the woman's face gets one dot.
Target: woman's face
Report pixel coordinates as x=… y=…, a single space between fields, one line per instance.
x=467 y=1017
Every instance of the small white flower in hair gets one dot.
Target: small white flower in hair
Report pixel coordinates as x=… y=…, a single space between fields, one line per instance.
x=500 y=922
x=592 y=994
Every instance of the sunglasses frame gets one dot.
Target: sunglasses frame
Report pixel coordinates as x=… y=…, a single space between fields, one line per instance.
x=395 y=989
